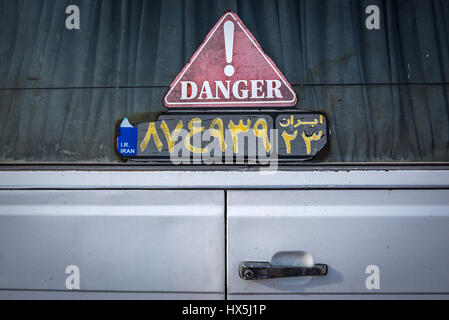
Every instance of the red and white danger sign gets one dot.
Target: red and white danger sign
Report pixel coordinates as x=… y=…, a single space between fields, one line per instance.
x=230 y=69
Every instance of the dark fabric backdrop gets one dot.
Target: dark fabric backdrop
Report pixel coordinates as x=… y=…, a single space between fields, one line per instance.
x=385 y=91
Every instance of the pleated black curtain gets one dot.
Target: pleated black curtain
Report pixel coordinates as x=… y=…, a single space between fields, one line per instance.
x=385 y=91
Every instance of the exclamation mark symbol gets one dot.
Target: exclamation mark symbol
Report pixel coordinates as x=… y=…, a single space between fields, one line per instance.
x=229 y=46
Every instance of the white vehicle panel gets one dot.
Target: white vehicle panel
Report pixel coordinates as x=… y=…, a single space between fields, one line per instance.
x=402 y=233
x=158 y=241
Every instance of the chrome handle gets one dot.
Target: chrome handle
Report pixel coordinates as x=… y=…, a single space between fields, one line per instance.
x=255 y=270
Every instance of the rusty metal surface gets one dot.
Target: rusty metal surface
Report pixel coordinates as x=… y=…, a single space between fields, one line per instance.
x=385 y=91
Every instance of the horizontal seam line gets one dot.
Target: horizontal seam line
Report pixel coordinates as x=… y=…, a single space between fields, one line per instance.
x=108 y=291
x=339 y=293
x=166 y=86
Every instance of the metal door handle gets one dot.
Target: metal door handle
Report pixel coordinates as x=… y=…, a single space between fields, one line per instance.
x=255 y=270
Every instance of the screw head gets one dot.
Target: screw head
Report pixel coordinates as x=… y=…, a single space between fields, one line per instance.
x=248 y=274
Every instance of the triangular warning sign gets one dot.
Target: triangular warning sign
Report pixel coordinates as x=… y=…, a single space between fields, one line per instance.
x=230 y=69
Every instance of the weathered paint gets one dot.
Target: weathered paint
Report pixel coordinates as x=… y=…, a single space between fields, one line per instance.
x=299 y=135
x=230 y=69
